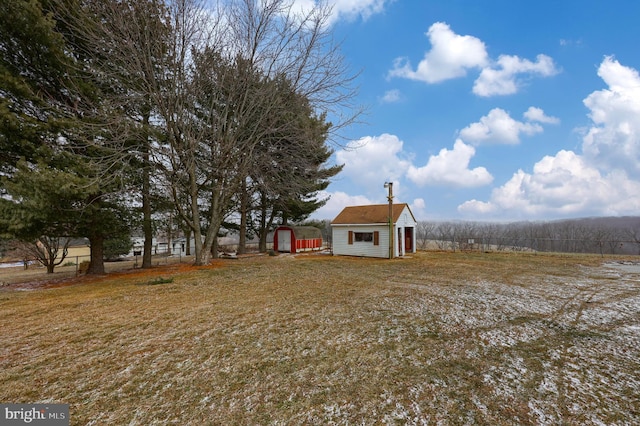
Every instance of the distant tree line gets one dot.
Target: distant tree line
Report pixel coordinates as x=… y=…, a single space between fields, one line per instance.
x=207 y=116
x=609 y=235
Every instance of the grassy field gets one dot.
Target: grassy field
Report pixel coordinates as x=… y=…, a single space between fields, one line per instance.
x=438 y=338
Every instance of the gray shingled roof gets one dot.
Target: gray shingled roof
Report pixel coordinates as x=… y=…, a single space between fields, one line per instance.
x=306 y=232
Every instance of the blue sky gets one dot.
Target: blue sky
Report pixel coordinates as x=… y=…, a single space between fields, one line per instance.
x=492 y=110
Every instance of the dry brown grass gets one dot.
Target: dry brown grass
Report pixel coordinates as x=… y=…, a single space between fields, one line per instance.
x=454 y=338
x=36 y=274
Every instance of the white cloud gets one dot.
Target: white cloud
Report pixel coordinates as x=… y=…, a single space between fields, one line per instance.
x=499 y=127
x=502 y=77
x=601 y=181
x=362 y=8
x=475 y=207
x=451 y=55
x=561 y=185
x=450 y=168
x=391 y=96
x=345 y=9
x=418 y=203
x=373 y=159
x=338 y=201
x=537 y=114
x=570 y=43
x=613 y=141
x=418 y=208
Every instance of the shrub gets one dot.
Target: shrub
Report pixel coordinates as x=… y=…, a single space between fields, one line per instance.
x=160 y=280
x=84 y=266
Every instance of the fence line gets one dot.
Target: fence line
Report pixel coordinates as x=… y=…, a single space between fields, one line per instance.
x=532 y=244
x=79 y=261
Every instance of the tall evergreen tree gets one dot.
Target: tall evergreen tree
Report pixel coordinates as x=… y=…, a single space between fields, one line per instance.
x=33 y=67
x=291 y=167
x=53 y=118
x=41 y=210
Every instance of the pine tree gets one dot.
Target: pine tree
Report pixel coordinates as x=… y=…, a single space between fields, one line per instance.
x=291 y=163
x=53 y=126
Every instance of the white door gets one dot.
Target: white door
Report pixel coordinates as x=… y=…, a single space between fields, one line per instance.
x=284 y=240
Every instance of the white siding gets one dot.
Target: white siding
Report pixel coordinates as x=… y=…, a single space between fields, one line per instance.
x=340 y=238
x=405 y=221
x=341 y=246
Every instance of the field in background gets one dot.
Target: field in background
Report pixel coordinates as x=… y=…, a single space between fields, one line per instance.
x=459 y=338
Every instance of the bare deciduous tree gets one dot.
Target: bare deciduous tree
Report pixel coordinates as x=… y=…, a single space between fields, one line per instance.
x=209 y=72
x=424 y=233
x=48 y=251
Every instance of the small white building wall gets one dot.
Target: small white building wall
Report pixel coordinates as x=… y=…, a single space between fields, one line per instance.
x=404 y=221
x=178 y=246
x=341 y=246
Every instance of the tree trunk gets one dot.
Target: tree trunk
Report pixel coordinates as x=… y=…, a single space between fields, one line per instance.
x=51 y=264
x=146 y=194
x=187 y=237
x=96 y=265
x=210 y=249
x=265 y=224
x=262 y=245
x=201 y=257
x=244 y=207
x=50 y=257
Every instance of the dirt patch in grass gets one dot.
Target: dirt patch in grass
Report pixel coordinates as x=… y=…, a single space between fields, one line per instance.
x=438 y=338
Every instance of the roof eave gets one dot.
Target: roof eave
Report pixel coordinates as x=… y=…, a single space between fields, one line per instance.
x=362 y=224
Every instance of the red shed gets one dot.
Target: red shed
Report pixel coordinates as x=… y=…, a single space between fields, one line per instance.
x=295 y=239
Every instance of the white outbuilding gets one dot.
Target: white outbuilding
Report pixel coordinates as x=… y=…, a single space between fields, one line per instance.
x=364 y=231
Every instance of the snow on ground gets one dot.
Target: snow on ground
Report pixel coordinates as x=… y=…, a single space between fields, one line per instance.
x=568 y=346
x=375 y=344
